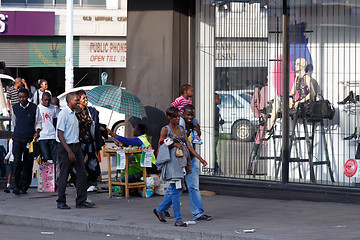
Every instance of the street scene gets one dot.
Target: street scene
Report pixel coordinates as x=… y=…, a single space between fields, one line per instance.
x=179 y=119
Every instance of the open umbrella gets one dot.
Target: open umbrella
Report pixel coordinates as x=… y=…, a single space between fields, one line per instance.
x=117 y=99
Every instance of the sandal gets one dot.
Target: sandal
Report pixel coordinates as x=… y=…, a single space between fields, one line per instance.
x=181 y=225
x=157 y=215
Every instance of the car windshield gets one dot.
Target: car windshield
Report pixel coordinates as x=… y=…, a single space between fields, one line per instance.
x=247 y=96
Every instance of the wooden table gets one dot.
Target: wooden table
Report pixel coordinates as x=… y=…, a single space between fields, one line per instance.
x=112 y=152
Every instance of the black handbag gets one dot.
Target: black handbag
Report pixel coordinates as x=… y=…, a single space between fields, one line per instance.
x=321 y=109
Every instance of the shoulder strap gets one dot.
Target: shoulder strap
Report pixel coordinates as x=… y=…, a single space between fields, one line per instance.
x=182 y=131
x=88 y=108
x=37 y=99
x=169 y=130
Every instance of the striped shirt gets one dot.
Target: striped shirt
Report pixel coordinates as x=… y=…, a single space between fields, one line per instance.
x=181 y=102
x=13 y=95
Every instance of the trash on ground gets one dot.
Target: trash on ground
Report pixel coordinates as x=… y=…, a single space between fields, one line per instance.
x=47 y=233
x=108 y=235
x=190 y=222
x=249 y=230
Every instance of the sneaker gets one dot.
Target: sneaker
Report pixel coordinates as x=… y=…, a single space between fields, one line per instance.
x=204 y=217
x=197 y=140
x=92 y=189
x=7 y=190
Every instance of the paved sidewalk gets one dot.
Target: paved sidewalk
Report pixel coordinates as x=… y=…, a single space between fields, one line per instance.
x=271 y=219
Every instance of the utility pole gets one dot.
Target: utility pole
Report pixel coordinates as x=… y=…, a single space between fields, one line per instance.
x=285 y=153
x=69 y=62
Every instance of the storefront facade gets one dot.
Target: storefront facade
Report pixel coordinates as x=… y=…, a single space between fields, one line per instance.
x=35 y=51
x=234 y=49
x=240 y=52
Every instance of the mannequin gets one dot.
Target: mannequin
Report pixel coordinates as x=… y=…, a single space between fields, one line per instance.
x=306 y=91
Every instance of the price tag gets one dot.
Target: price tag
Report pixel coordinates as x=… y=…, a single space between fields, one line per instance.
x=146 y=157
x=121 y=160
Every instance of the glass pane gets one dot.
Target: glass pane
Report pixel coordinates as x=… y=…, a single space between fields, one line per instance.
x=40 y=2
x=94 y=2
x=12 y=1
x=75 y=2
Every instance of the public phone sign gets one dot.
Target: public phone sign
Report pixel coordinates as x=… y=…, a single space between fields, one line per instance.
x=20 y=23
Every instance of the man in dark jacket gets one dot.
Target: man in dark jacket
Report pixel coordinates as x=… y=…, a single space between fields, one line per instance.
x=26 y=124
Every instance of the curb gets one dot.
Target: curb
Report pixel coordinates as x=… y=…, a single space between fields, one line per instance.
x=113 y=228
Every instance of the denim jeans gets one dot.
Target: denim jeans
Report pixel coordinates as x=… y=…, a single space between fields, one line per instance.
x=48 y=149
x=192 y=183
x=171 y=197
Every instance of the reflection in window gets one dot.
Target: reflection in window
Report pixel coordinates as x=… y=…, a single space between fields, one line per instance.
x=50 y=2
x=12 y=1
x=75 y=2
x=94 y=2
x=246 y=96
x=227 y=101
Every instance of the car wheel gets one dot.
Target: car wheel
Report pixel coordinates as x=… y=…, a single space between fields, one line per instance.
x=243 y=130
x=119 y=129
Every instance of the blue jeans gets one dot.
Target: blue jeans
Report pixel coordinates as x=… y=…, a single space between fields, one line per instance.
x=48 y=149
x=192 y=183
x=171 y=197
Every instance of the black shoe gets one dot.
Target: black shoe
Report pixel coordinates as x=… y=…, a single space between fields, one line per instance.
x=354 y=135
x=349 y=98
x=16 y=191
x=181 y=225
x=23 y=192
x=157 y=215
x=166 y=214
x=204 y=217
x=85 y=205
x=7 y=190
x=62 y=206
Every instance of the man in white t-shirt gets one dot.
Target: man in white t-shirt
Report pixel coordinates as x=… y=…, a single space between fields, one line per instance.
x=47 y=137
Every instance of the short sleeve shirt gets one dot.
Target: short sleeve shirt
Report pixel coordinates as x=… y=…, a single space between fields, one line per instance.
x=181 y=102
x=13 y=95
x=48 y=114
x=69 y=124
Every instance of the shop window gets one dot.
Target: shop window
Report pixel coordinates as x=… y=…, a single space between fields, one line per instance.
x=63 y=2
x=12 y=1
x=94 y=2
x=40 y=2
x=228 y=101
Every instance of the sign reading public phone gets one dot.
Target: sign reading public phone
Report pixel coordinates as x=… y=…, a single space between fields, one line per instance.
x=29 y=23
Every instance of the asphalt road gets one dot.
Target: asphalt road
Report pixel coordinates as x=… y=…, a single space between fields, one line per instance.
x=14 y=232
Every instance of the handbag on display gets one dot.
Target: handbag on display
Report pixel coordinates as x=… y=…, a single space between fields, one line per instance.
x=322 y=109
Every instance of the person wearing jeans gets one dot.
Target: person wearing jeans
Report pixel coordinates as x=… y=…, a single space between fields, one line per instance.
x=172 y=170
x=171 y=197
x=47 y=137
x=192 y=179
x=192 y=182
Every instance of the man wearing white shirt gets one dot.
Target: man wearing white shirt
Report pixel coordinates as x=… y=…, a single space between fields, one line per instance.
x=48 y=134
x=69 y=154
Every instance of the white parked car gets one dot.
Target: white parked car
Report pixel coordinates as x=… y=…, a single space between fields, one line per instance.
x=114 y=120
x=236 y=111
